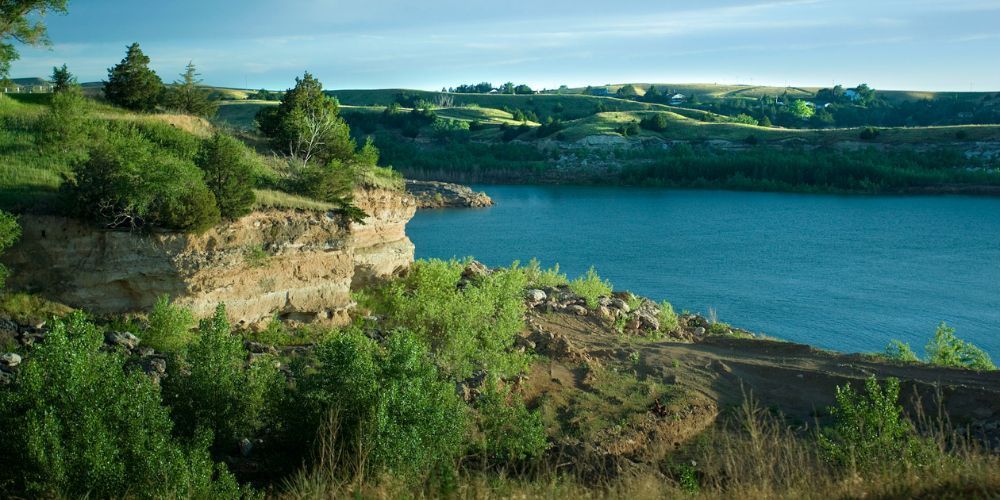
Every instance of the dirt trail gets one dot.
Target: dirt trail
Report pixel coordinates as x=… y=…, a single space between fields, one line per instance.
x=796 y=379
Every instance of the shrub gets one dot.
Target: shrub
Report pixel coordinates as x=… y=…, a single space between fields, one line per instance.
x=656 y=123
x=869 y=133
x=10 y=231
x=392 y=410
x=538 y=277
x=169 y=328
x=79 y=423
x=510 y=432
x=668 y=318
x=255 y=256
x=869 y=429
x=127 y=182
x=719 y=328
x=65 y=128
x=629 y=129
x=332 y=183
x=591 y=287
x=945 y=349
x=900 y=351
x=211 y=386
x=468 y=328
x=228 y=169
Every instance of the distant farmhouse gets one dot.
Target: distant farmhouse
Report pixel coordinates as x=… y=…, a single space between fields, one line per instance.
x=852 y=94
x=677 y=99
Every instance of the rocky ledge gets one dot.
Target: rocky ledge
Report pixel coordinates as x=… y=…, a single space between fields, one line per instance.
x=432 y=194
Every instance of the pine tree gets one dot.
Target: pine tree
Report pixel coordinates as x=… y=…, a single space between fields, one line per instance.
x=187 y=97
x=62 y=79
x=131 y=84
x=307 y=125
x=228 y=174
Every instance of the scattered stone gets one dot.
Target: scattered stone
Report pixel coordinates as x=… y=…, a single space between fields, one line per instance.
x=6 y=378
x=145 y=351
x=699 y=332
x=260 y=348
x=122 y=339
x=470 y=389
x=621 y=305
x=535 y=296
x=475 y=269
x=9 y=360
x=246 y=447
x=604 y=313
x=578 y=309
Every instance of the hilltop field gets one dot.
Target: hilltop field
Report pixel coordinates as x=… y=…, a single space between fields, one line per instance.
x=738 y=137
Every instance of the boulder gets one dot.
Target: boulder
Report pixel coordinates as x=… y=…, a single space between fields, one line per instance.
x=621 y=305
x=9 y=360
x=577 y=309
x=475 y=269
x=6 y=378
x=535 y=296
x=121 y=339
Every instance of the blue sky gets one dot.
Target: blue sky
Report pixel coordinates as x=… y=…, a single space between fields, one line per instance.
x=891 y=44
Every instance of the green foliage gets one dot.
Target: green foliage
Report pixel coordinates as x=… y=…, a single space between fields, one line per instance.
x=945 y=349
x=131 y=84
x=744 y=119
x=78 y=422
x=65 y=130
x=10 y=231
x=801 y=109
x=307 y=125
x=668 y=318
x=331 y=183
x=719 y=328
x=869 y=133
x=591 y=287
x=255 y=256
x=629 y=129
x=21 y=22
x=187 y=97
x=169 y=327
x=228 y=168
x=870 y=430
x=900 y=351
x=62 y=80
x=211 y=385
x=540 y=278
x=126 y=181
x=656 y=123
x=392 y=410
x=469 y=328
x=510 y=431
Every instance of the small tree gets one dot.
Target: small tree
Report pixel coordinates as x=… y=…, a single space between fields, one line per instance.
x=186 y=96
x=228 y=174
x=131 y=84
x=307 y=125
x=62 y=80
x=65 y=129
x=628 y=91
x=945 y=349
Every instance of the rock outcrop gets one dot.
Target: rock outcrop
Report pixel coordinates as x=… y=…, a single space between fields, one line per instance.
x=300 y=266
x=431 y=194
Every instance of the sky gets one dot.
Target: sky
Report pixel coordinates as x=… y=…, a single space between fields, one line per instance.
x=429 y=44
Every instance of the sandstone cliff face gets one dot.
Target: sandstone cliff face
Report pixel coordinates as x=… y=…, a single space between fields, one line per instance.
x=298 y=265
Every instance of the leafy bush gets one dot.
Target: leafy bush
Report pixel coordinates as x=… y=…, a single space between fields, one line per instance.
x=869 y=133
x=591 y=287
x=211 y=386
x=668 y=318
x=228 y=169
x=900 y=351
x=128 y=182
x=870 y=430
x=392 y=410
x=79 y=423
x=656 y=123
x=468 y=328
x=539 y=278
x=945 y=349
x=65 y=129
x=10 y=231
x=719 y=328
x=510 y=432
x=169 y=328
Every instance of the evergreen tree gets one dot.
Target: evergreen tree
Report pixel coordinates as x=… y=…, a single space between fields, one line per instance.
x=228 y=174
x=62 y=79
x=766 y=121
x=187 y=97
x=307 y=125
x=131 y=84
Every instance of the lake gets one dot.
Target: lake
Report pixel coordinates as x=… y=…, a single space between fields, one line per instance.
x=846 y=273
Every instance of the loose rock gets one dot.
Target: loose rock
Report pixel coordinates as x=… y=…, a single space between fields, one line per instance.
x=122 y=339
x=10 y=360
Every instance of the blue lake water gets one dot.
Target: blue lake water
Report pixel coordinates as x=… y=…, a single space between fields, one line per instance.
x=847 y=273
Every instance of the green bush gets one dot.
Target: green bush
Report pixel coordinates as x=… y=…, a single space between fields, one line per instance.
x=591 y=287
x=540 y=278
x=393 y=412
x=900 y=351
x=169 y=328
x=668 y=318
x=945 y=349
x=127 y=181
x=228 y=168
x=211 y=385
x=78 y=422
x=509 y=431
x=10 y=231
x=870 y=430
x=469 y=328
x=65 y=129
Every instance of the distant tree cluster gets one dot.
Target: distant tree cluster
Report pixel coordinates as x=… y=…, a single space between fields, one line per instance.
x=486 y=88
x=133 y=85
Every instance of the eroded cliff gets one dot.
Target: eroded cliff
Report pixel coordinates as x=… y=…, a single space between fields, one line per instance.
x=300 y=266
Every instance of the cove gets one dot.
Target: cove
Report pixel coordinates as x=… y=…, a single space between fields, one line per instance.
x=846 y=273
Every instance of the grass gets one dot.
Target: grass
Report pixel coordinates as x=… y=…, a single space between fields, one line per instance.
x=26 y=308
x=274 y=199
x=241 y=114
